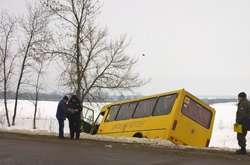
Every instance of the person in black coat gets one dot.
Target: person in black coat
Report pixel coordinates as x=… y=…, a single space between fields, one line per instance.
x=74 y=109
x=61 y=115
x=243 y=118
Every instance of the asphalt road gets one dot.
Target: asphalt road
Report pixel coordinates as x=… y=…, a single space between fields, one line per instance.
x=42 y=150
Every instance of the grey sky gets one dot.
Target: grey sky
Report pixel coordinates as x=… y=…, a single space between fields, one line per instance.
x=200 y=45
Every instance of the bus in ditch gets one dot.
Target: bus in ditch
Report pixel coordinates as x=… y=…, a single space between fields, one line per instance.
x=177 y=116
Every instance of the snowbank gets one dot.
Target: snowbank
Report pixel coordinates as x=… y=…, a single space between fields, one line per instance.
x=154 y=142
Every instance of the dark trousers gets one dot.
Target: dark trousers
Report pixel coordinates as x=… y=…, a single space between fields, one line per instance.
x=74 y=127
x=61 y=127
x=241 y=137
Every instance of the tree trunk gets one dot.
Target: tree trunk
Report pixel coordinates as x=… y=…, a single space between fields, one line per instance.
x=78 y=63
x=34 y=117
x=17 y=90
x=5 y=82
x=5 y=93
x=37 y=96
x=20 y=78
x=35 y=112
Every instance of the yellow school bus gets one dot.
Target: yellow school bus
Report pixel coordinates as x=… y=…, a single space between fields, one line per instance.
x=177 y=116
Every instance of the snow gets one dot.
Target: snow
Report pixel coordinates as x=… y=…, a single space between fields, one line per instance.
x=223 y=135
x=46 y=115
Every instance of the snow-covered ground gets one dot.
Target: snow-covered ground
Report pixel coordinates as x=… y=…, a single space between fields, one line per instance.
x=223 y=135
x=46 y=115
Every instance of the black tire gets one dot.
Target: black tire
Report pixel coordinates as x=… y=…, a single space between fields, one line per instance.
x=138 y=135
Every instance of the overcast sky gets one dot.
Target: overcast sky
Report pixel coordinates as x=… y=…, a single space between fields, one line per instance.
x=200 y=45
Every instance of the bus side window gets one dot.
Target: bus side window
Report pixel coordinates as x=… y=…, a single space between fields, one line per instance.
x=112 y=113
x=145 y=108
x=164 y=105
x=126 y=111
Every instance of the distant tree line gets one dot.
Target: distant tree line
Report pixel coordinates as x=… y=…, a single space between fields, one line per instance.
x=106 y=98
x=220 y=100
x=57 y=97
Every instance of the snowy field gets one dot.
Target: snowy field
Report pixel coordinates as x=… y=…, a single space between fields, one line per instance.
x=223 y=135
x=46 y=115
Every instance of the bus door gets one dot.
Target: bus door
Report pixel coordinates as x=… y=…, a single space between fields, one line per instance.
x=96 y=124
x=87 y=120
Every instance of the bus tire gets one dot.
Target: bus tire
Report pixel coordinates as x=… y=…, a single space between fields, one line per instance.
x=138 y=135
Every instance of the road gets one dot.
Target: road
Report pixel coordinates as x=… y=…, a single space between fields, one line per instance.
x=16 y=149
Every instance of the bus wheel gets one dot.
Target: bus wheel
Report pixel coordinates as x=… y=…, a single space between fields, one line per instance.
x=138 y=135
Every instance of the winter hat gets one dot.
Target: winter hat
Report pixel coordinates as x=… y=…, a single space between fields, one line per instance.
x=242 y=95
x=65 y=98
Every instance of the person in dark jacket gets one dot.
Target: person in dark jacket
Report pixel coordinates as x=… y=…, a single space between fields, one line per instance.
x=243 y=118
x=74 y=109
x=61 y=115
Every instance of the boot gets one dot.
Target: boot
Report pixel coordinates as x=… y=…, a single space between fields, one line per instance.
x=241 y=151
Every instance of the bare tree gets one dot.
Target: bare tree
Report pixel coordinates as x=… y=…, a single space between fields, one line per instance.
x=41 y=65
x=92 y=63
x=1 y=67
x=37 y=87
x=36 y=40
x=7 y=27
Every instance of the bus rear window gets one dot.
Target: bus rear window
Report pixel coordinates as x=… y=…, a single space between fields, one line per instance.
x=112 y=113
x=196 y=112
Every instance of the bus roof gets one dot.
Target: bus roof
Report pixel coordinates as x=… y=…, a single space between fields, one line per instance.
x=141 y=98
x=157 y=95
